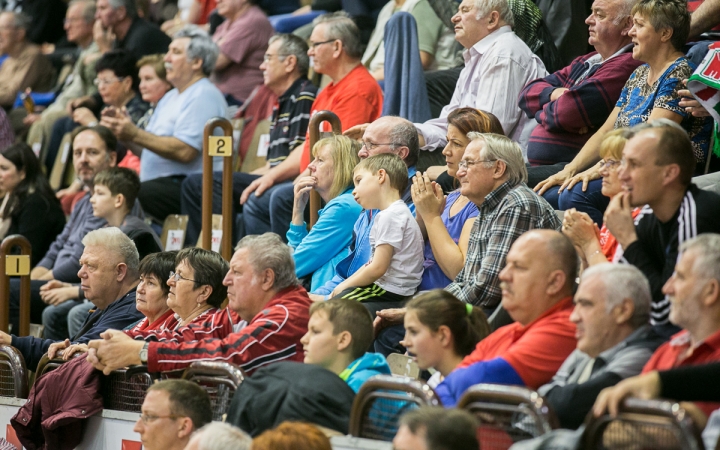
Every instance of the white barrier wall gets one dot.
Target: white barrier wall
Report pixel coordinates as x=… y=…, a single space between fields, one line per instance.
x=109 y=430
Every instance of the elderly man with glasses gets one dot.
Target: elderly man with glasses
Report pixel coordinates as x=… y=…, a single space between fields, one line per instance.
x=284 y=69
x=353 y=95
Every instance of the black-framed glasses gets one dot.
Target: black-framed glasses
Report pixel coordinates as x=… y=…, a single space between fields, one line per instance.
x=147 y=418
x=464 y=164
x=315 y=44
x=372 y=146
x=177 y=277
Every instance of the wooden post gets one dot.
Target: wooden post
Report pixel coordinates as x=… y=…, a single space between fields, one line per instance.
x=222 y=148
x=19 y=265
x=315 y=122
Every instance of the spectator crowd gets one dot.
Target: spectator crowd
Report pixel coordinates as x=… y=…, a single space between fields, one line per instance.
x=509 y=200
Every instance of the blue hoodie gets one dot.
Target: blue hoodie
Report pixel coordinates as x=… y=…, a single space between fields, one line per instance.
x=366 y=366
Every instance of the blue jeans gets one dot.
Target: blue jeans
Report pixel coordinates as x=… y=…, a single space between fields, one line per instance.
x=191 y=200
x=54 y=318
x=287 y=23
x=272 y=211
x=592 y=201
x=77 y=316
x=388 y=340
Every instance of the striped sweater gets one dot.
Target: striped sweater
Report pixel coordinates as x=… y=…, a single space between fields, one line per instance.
x=565 y=124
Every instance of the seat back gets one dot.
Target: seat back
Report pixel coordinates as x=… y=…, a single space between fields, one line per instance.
x=63 y=172
x=124 y=389
x=507 y=414
x=643 y=424
x=219 y=379
x=173 y=232
x=403 y=365
x=382 y=400
x=13 y=373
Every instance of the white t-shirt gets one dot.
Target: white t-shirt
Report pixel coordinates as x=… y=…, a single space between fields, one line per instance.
x=397 y=227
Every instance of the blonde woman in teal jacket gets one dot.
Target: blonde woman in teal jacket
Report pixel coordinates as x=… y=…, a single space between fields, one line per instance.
x=318 y=251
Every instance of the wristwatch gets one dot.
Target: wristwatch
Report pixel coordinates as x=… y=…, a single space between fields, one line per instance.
x=144 y=353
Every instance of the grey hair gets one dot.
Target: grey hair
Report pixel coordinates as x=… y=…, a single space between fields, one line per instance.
x=268 y=251
x=340 y=26
x=707 y=247
x=404 y=134
x=624 y=281
x=114 y=240
x=221 y=436
x=485 y=7
x=20 y=20
x=624 y=10
x=88 y=11
x=657 y=123
x=296 y=46
x=201 y=47
x=502 y=148
x=130 y=7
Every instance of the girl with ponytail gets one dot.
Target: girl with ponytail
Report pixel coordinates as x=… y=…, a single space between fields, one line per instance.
x=440 y=331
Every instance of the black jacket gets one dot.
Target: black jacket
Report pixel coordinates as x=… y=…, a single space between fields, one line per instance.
x=291 y=391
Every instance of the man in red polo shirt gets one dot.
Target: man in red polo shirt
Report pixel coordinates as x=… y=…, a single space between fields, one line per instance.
x=353 y=95
x=694 y=293
x=537 y=287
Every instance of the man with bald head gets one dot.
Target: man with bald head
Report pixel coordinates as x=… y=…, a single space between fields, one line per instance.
x=537 y=286
x=657 y=169
x=387 y=134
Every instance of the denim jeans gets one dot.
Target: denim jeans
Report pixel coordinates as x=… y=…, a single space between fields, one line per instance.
x=591 y=201
x=272 y=211
x=55 y=320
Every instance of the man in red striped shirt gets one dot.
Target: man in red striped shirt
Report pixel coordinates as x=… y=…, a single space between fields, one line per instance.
x=262 y=289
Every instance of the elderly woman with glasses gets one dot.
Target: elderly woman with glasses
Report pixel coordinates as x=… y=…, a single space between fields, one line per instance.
x=595 y=245
x=195 y=294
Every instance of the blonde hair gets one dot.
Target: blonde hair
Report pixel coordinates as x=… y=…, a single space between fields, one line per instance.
x=613 y=144
x=344 y=154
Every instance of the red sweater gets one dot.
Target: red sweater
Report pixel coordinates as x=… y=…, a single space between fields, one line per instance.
x=272 y=335
x=356 y=99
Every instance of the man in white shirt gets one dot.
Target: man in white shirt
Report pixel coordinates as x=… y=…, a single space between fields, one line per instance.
x=498 y=64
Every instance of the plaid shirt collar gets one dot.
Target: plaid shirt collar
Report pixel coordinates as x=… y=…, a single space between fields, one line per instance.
x=493 y=199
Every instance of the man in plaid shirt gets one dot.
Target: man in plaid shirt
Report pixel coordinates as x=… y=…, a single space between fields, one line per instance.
x=492 y=174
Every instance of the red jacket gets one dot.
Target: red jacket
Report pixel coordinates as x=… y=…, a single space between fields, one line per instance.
x=272 y=335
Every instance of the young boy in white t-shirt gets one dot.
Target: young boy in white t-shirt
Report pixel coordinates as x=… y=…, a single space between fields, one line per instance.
x=396 y=265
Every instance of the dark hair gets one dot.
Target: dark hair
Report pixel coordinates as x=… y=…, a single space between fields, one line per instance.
x=674 y=147
x=23 y=158
x=121 y=63
x=351 y=316
x=445 y=429
x=187 y=399
x=471 y=119
x=439 y=307
x=159 y=265
x=103 y=133
x=210 y=269
x=393 y=166
x=292 y=436
x=120 y=180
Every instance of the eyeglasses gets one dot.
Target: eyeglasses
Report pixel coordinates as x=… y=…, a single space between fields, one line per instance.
x=177 y=277
x=371 y=146
x=147 y=418
x=609 y=163
x=268 y=57
x=464 y=164
x=315 y=44
x=98 y=81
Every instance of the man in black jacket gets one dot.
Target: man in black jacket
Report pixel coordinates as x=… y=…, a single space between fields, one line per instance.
x=108 y=277
x=656 y=172
x=612 y=310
